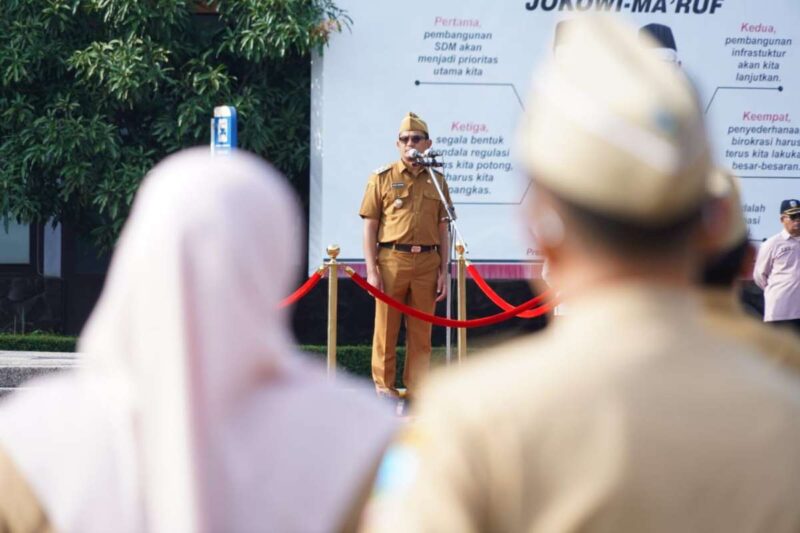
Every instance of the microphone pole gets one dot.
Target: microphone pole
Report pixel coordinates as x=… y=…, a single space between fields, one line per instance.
x=428 y=160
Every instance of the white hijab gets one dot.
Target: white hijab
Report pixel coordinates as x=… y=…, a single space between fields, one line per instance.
x=190 y=412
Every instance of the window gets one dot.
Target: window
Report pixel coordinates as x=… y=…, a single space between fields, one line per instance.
x=15 y=244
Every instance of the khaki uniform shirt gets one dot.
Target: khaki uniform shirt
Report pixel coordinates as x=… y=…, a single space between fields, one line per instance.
x=20 y=511
x=407 y=206
x=724 y=315
x=625 y=416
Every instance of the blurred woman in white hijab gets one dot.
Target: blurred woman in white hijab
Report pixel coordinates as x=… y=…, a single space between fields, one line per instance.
x=191 y=411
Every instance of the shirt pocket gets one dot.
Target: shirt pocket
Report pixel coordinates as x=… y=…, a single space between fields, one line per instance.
x=397 y=201
x=431 y=202
x=785 y=257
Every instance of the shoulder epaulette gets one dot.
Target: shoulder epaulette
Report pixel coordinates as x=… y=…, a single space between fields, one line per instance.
x=382 y=169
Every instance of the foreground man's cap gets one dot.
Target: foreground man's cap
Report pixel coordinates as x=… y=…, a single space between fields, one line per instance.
x=612 y=129
x=724 y=187
x=412 y=122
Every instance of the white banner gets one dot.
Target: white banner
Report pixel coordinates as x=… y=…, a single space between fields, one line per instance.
x=465 y=65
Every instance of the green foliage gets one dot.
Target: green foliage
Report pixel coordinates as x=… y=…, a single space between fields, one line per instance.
x=94 y=92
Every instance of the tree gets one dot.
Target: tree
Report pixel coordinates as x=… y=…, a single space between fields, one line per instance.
x=94 y=92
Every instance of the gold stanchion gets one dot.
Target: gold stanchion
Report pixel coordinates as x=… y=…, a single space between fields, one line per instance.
x=333 y=300
x=462 y=300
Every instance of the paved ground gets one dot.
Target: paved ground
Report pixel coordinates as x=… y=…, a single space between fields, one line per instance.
x=18 y=367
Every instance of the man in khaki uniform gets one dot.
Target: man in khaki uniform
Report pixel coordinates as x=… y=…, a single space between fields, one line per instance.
x=730 y=255
x=406 y=250
x=626 y=415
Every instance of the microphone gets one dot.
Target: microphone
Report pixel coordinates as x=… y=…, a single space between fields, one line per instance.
x=431 y=153
x=424 y=159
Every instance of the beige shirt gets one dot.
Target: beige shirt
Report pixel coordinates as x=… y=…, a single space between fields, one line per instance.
x=408 y=206
x=625 y=416
x=725 y=315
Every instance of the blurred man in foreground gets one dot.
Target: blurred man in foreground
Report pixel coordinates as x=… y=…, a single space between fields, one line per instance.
x=626 y=415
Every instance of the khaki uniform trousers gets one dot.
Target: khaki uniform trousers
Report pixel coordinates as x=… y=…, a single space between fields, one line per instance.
x=409 y=278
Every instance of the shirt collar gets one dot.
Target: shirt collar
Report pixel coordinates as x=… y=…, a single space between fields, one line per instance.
x=401 y=166
x=720 y=300
x=631 y=301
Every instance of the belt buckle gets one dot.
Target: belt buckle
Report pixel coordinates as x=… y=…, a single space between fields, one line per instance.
x=415 y=249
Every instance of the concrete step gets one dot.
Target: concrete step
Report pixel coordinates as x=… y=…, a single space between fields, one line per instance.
x=18 y=367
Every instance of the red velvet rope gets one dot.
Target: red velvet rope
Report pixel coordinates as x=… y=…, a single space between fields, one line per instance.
x=304 y=289
x=497 y=299
x=447 y=322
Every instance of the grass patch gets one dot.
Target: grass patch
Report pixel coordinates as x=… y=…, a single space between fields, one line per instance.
x=357 y=359
x=38 y=342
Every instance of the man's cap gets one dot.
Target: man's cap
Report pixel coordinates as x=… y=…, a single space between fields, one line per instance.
x=412 y=122
x=723 y=187
x=612 y=129
x=790 y=207
x=661 y=36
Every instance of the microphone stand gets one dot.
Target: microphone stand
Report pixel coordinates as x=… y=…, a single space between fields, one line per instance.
x=428 y=160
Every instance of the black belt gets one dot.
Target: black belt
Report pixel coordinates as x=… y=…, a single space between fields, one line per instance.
x=412 y=248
